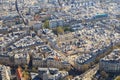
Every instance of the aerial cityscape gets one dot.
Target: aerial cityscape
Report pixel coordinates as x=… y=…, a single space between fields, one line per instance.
x=59 y=39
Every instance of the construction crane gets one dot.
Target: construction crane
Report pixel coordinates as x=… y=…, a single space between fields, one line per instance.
x=25 y=21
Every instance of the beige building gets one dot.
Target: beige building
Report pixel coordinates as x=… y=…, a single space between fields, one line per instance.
x=6 y=59
x=5 y=72
x=21 y=58
x=111 y=63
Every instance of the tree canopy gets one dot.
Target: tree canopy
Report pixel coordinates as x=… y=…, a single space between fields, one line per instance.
x=104 y=74
x=117 y=78
x=46 y=24
x=60 y=30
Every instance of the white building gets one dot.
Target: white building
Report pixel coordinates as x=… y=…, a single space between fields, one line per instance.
x=56 y=22
x=21 y=58
x=51 y=74
x=6 y=58
x=5 y=72
x=82 y=60
x=111 y=63
x=37 y=60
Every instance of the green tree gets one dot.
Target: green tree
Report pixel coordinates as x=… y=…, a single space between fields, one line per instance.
x=26 y=67
x=68 y=78
x=46 y=24
x=26 y=75
x=103 y=74
x=59 y=30
x=84 y=67
x=117 y=78
x=34 y=69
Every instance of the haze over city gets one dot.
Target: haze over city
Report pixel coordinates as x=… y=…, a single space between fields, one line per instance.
x=59 y=39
